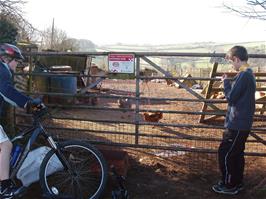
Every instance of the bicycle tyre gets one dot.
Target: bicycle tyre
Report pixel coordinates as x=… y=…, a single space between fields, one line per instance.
x=79 y=184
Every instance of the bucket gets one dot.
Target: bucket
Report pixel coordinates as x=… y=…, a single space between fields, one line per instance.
x=64 y=85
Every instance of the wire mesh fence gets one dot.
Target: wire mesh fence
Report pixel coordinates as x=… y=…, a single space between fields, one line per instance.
x=149 y=111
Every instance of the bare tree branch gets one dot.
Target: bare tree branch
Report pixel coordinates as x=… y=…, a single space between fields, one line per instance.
x=58 y=42
x=13 y=11
x=255 y=9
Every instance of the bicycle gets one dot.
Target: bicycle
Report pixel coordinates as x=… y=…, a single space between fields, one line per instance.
x=83 y=170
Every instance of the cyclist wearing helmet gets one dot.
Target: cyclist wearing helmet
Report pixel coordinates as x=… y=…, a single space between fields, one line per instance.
x=10 y=55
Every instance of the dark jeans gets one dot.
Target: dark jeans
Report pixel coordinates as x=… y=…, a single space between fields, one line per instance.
x=231 y=156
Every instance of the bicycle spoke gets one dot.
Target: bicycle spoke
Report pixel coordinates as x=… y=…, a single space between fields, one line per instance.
x=78 y=189
x=86 y=175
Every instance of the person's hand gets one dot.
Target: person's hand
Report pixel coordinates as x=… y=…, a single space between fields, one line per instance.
x=34 y=105
x=225 y=76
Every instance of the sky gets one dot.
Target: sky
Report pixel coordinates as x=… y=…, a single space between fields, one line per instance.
x=146 y=21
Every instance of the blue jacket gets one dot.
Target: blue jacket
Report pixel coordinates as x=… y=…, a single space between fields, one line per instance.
x=240 y=96
x=7 y=91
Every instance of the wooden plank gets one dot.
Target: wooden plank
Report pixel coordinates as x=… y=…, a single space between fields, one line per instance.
x=209 y=90
x=211 y=118
x=87 y=70
x=21 y=83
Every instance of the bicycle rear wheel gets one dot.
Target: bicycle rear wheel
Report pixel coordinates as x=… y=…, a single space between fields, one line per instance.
x=86 y=177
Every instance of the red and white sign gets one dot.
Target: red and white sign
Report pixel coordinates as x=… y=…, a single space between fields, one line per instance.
x=121 y=63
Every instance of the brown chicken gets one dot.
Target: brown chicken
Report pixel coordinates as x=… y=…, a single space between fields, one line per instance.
x=153 y=117
x=170 y=82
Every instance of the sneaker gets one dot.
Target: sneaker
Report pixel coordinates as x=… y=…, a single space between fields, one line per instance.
x=220 y=183
x=240 y=187
x=225 y=190
x=8 y=192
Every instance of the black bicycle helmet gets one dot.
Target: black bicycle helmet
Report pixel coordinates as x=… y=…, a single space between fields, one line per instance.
x=11 y=51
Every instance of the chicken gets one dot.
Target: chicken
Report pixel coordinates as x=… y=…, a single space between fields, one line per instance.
x=153 y=117
x=218 y=95
x=124 y=103
x=170 y=82
x=262 y=93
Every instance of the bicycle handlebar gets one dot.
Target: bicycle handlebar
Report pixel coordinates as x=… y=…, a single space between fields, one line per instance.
x=39 y=111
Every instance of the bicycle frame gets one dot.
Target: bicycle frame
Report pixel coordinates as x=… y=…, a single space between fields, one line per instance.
x=36 y=130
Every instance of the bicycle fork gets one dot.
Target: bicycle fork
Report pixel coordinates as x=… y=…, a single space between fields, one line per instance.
x=60 y=155
x=64 y=161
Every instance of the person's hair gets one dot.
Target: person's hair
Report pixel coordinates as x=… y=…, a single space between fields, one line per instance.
x=240 y=52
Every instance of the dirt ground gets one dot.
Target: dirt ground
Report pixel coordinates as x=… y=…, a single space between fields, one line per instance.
x=153 y=175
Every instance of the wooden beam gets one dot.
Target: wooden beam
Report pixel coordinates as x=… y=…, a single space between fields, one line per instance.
x=208 y=91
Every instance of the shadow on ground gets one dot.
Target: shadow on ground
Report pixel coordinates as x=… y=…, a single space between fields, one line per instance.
x=154 y=177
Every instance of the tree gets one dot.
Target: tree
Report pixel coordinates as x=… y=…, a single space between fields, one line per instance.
x=12 y=7
x=85 y=45
x=70 y=44
x=255 y=9
x=53 y=38
x=57 y=39
x=12 y=11
x=8 y=31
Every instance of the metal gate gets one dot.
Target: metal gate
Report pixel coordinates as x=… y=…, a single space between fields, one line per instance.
x=157 y=107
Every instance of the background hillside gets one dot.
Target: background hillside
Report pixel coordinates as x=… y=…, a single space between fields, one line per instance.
x=195 y=66
x=258 y=46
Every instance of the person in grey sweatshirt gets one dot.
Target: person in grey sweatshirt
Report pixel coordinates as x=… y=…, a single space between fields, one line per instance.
x=240 y=95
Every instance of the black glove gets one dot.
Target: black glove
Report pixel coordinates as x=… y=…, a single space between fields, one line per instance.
x=34 y=105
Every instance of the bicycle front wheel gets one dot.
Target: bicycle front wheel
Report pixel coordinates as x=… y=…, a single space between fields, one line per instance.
x=85 y=177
